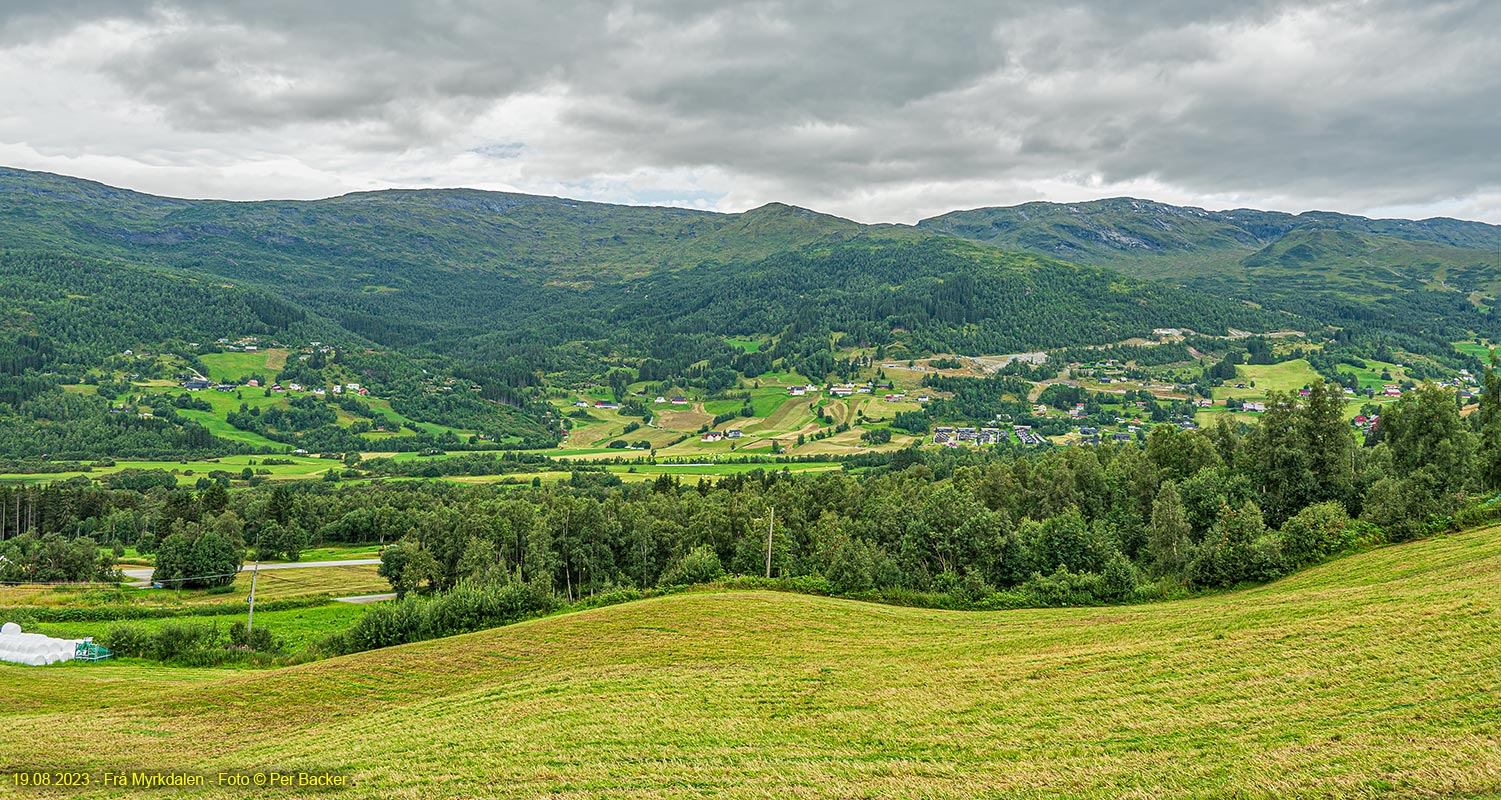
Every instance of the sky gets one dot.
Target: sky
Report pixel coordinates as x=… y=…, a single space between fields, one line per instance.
x=873 y=110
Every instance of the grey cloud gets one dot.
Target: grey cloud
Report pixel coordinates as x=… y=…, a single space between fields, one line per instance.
x=1358 y=103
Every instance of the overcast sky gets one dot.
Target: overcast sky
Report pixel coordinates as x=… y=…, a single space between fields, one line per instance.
x=879 y=111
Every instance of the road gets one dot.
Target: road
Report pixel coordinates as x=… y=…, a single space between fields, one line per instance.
x=362 y=599
x=143 y=575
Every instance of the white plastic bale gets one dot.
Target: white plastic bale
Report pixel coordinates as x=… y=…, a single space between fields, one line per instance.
x=33 y=649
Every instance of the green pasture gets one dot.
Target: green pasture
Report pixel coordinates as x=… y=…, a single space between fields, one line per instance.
x=299 y=628
x=188 y=472
x=1370 y=375
x=745 y=345
x=1476 y=349
x=1288 y=376
x=1372 y=676
x=232 y=367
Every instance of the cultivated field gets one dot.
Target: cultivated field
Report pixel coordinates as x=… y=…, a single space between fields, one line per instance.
x=188 y=472
x=230 y=366
x=1373 y=676
x=1288 y=376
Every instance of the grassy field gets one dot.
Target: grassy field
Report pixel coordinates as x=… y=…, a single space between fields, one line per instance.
x=1288 y=376
x=1373 y=676
x=299 y=628
x=223 y=403
x=1475 y=349
x=235 y=366
x=219 y=426
x=383 y=406
x=274 y=584
x=1370 y=376
x=675 y=429
x=745 y=345
x=341 y=552
x=188 y=472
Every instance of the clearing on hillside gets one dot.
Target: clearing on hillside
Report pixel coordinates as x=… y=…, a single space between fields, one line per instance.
x=1376 y=675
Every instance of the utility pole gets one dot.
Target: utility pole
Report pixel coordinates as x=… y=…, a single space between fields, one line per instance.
x=771 y=524
x=254 y=574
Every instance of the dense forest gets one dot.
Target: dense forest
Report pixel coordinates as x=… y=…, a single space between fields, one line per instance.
x=1184 y=510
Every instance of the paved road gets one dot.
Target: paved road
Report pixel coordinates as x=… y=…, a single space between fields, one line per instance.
x=143 y=575
x=362 y=599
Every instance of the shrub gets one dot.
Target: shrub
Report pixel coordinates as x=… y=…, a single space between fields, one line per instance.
x=383 y=625
x=1062 y=588
x=259 y=639
x=1118 y=581
x=466 y=608
x=700 y=565
x=1315 y=533
x=127 y=641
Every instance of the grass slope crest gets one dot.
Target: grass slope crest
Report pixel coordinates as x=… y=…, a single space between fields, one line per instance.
x=1293 y=689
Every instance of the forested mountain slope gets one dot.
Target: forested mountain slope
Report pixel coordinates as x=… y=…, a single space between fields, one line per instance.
x=376 y=240
x=447 y=270
x=1426 y=281
x=508 y=294
x=504 y=295
x=1156 y=238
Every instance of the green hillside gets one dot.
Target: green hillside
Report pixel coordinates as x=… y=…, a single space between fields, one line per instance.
x=472 y=314
x=370 y=239
x=503 y=298
x=1418 y=280
x=1356 y=261
x=1298 y=688
x=434 y=268
x=1151 y=238
x=1122 y=232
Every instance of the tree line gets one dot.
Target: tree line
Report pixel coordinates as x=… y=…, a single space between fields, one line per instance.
x=1184 y=510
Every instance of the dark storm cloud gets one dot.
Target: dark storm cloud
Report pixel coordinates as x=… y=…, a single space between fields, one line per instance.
x=875 y=109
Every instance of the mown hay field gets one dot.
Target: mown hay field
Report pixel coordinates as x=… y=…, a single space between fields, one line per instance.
x=1378 y=675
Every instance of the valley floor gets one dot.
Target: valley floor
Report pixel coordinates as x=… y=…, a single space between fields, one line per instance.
x=1376 y=675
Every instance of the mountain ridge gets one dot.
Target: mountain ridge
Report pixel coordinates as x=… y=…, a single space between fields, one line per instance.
x=1258 y=224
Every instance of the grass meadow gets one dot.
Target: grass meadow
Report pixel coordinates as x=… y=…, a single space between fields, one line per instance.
x=233 y=366
x=1288 y=376
x=1373 y=676
x=1476 y=349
